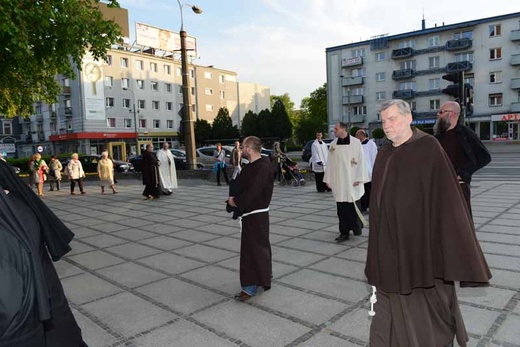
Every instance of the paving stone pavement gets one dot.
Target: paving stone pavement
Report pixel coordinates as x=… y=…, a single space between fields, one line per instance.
x=163 y=272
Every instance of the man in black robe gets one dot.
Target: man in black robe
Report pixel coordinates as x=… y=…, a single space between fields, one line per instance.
x=150 y=171
x=421 y=239
x=465 y=150
x=255 y=189
x=33 y=307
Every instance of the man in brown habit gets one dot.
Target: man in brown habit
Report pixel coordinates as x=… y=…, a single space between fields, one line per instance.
x=255 y=189
x=421 y=239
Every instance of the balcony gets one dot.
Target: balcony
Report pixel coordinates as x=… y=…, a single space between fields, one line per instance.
x=515 y=59
x=358 y=118
x=403 y=74
x=515 y=83
x=402 y=53
x=459 y=66
x=41 y=136
x=68 y=111
x=53 y=115
x=66 y=89
x=403 y=94
x=515 y=107
x=351 y=81
x=456 y=45
x=515 y=35
x=38 y=118
x=352 y=61
x=353 y=99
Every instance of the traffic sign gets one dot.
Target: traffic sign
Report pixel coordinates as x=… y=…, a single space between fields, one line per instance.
x=39 y=149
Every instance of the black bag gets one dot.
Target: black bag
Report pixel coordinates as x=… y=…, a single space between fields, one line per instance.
x=52 y=173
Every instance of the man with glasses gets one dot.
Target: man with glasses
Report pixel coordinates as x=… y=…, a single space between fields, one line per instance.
x=465 y=150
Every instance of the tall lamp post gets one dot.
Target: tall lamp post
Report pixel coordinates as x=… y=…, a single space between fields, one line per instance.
x=135 y=121
x=187 y=119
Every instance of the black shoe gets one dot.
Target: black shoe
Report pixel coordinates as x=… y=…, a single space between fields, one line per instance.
x=357 y=232
x=242 y=296
x=266 y=288
x=342 y=237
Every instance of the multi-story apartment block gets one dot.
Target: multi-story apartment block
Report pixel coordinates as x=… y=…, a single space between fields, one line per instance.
x=253 y=97
x=410 y=66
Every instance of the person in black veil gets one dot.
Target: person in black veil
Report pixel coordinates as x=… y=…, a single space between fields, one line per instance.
x=33 y=307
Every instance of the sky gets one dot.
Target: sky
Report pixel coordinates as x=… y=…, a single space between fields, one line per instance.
x=281 y=43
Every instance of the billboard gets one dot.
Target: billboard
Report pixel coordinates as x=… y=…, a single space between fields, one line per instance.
x=165 y=40
x=93 y=88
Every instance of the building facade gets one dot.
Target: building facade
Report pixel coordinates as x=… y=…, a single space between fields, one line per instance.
x=252 y=97
x=410 y=66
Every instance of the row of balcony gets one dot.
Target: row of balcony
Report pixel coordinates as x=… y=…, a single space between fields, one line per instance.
x=450 y=67
x=451 y=45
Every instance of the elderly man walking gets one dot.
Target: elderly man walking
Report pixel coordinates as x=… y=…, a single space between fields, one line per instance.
x=320 y=154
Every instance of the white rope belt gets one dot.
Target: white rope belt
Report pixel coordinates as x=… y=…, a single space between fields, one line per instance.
x=373 y=300
x=250 y=213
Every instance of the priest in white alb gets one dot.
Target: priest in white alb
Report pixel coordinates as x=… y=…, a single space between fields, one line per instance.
x=167 y=173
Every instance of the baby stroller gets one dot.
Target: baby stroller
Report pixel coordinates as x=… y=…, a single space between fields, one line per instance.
x=291 y=172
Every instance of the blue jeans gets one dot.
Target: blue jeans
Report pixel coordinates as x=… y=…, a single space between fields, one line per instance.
x=251 y=290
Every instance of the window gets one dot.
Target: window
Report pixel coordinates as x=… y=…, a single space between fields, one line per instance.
x=156 y=123
x=193 y=108
x=109 y=102
x=192 y=73
x=178 y=71
x=359 y=110
x=126 y=103
x=208 y=75
x=168 y=87
x=435 y=104
x=8 y=127
x=139 y=65
x=222 y=94
x=358 y=72
x=142 y=123
x=380 y=76
x=169 y=106
x=495 y=99
x=167 y=69
x=124 y=83
x=221 y=78
x=141 y=104
x=208 y=91
x=413 y=105
x=381 y=96
x=495 y=30
x=124 y=62
x=109 y=81
x=66 y=82
x=192 y=90
x=380 y=56
x=407 y=86
x=434 y=62
x=38 y=109
x=128 y=123
x=463 y=35
x=466 y=56
x=469 y=78
x=153 y=67
x=495 y=77
x=180 y=89
x=495 y=53
x=111 y=122
x=356 y=91
x=209 y=107
x=406 y=44
x=169 y=124
x=434 y=41
x=358 y=52
x=434 y=83
x=409 y=64
x=155 y=105
x=140 y=84
x=155 y=85
x=108 y=60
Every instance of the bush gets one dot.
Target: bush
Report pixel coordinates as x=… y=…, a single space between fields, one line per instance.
x=378 y=133
x=353 y=131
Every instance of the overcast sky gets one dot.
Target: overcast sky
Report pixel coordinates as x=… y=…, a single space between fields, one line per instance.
x=281 y=43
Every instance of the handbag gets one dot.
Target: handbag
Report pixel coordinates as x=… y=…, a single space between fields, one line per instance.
x=52 y=173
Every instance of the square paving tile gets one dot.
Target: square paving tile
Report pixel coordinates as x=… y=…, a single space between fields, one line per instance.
x=194 y=235
x=487 y=296
x=285 y=230
x=348 y=268
x=221 y=229
x=165 y=243
x=110 y=227
x=509 y=331
x=161 y=228
x=359 y=254
x=478 y=321
x=96 y=259
x=234 y=319
x=294 y=257
x=354 y=324
x=134 y=234
x=77 y=290
x=132 y=250
x=230 y=243
x=323 y=339
x=65 y=269
x=129 y=314
x=180 y=296
x=325 y=248
x=81 y=232
x=170 y=263
x=103 y=240
x=205 y=253
x=131 y=275
x=78 y=247
x=92 y=333
x=220 y=279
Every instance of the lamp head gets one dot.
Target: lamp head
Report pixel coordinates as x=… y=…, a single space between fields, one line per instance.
x=196 y=9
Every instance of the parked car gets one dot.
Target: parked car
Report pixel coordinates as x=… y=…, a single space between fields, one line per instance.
x=206 y=158
x=179 y=156
x=306 y=152
x=90 y=162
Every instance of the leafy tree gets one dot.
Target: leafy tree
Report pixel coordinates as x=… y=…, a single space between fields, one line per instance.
x=202 y=130
x=281 y=126
x=313 y=115
x=249 y=124
x=264 y=124
x=223 y=126
x=39 y=39
x=353 y=130
x=316 y=104
x=378 y=133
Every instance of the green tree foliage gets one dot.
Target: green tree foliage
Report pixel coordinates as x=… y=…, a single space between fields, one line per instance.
x=222 y=127
x=280 y=125
x=353 y=130
x=264 y=122
x=289 y=106
x=378 y=133
x=249 y=124
x=39 y=39
x=202 y=131
x=313 y=115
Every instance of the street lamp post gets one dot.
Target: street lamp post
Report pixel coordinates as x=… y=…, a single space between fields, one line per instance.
x=135 y=121
x=187 y=119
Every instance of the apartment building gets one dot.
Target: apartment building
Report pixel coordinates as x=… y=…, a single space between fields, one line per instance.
x=410 y=66
x=252 y=97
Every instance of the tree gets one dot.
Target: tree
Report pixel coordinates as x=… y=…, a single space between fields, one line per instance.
x=39 y=39
x=202 y=130
x=289 y=106
x=223 y=126
x=249 y=124
x=281 y=126
x=264 y=124
x=313 y=115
